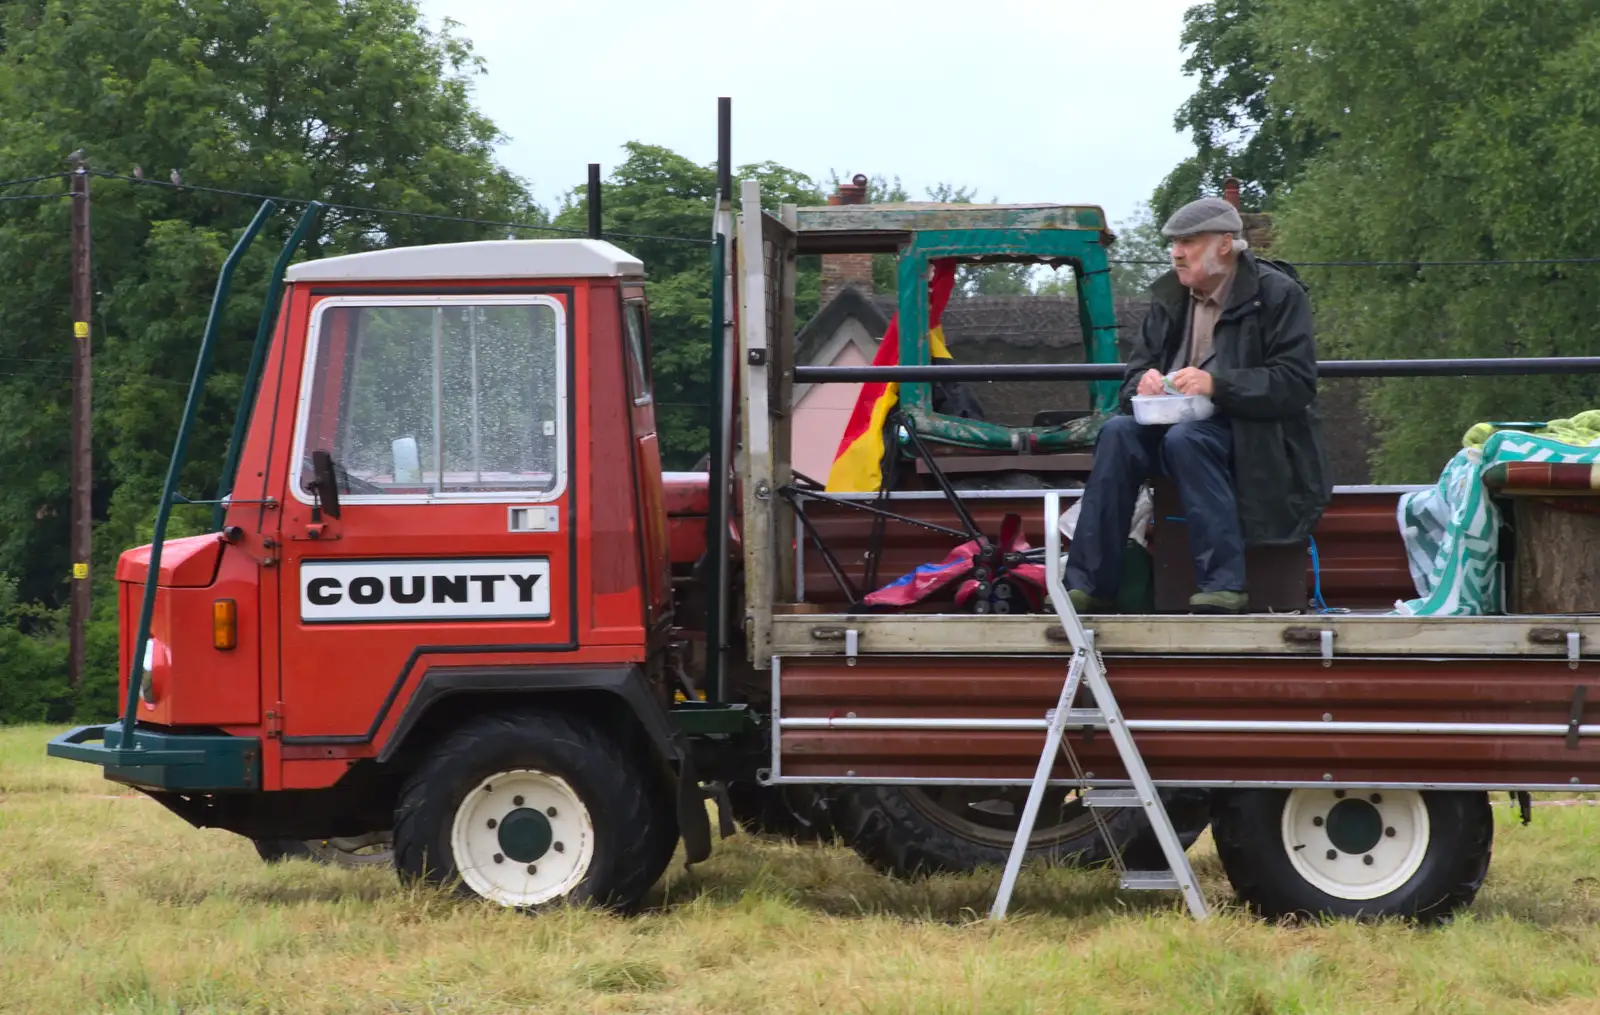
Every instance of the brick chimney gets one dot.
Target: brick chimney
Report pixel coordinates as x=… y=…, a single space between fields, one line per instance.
x=1230 y=191
x=840 y=270
x=1257 y=225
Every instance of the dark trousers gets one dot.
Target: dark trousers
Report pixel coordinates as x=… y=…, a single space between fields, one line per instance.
x=1199 y=459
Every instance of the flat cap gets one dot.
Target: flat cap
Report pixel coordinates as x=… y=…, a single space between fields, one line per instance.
x=1207 y=215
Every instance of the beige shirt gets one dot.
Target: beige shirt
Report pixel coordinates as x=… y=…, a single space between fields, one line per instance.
x=1204 y=310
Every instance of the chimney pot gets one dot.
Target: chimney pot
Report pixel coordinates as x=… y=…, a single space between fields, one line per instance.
x=854 y=192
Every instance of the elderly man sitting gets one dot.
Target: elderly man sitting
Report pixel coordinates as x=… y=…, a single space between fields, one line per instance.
x=1226 y=325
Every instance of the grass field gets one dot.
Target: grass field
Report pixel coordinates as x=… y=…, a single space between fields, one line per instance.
x=109 y=903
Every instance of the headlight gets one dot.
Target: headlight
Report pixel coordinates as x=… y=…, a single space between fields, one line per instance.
x=147 y=687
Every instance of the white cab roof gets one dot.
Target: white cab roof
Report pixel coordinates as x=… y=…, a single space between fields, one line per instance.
x=479 y=259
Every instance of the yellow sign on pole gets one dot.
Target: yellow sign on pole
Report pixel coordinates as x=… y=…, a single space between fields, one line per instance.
x=80 y=570
x=80 y=329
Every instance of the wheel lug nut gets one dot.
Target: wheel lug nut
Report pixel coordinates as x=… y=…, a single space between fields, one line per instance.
x=499 y=858
x=551 y=811
x=1389 y=832
x=493 y=822
x=1376 y=798
x=1317 y=822
x=517 y=801
x=559 y=847
x=1333 y=854
x=533 y=868
x=1367 y=859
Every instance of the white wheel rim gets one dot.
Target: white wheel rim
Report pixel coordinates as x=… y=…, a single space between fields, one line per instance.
x=522 y=838
x=1355 y=844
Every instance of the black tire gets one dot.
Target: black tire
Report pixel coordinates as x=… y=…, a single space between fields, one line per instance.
x=913 y=832
x=799 y=813
x=620 y=799
x=1190 y=812
x=663 y=834
x=1249 y=828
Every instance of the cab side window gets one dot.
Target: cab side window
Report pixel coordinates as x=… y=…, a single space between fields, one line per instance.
x=638 y=343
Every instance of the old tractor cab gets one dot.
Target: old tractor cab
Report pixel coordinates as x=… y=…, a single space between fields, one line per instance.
x=1055 y=236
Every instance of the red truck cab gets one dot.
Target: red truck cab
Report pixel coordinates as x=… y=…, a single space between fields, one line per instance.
x=449 y=504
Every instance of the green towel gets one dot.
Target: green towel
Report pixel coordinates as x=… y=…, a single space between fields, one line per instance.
x=1452 y=530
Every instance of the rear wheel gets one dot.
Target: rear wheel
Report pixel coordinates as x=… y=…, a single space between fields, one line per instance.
x=1363 y=853
x=533 y=809
x=911 y=831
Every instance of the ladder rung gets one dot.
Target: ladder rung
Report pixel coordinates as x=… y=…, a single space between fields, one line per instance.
x=1150 y=881
x=1112 y=798
x=1085 y=717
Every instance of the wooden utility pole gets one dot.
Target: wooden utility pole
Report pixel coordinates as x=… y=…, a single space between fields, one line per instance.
x=82 y=418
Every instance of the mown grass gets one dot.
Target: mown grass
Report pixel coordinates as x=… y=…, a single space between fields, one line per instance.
x=109 y=903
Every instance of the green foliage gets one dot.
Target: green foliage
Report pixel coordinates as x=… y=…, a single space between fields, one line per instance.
x=655 y=192
x=1139 y=239
x=33 y=661
x=1446 y=150
x=1238 y=125
x=350 y=101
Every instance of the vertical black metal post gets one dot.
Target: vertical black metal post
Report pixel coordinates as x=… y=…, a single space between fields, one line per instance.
x=721 y=415
x=725 y=148
x=594 y=200
x=82 y=469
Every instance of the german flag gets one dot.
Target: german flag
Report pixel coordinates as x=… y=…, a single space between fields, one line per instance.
x=858 y=462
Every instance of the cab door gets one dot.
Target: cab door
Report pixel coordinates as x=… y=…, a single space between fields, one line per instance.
x=449 y=420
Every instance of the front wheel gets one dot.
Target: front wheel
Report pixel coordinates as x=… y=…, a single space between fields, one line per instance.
x=1356 y=852
x=533 y=809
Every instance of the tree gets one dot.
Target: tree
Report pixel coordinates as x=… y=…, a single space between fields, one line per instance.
x=665 y=202
x=1445 y=150
x=1239 y=126
x=1139 y=256
x=350 y=101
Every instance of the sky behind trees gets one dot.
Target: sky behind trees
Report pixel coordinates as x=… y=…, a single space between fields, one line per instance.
x=1024 y=101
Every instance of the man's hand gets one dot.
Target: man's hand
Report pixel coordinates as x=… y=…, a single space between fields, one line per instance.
x=1150 y=383
x=1190 y=381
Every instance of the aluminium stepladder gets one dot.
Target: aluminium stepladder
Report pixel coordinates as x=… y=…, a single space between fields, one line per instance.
x=1087 y=666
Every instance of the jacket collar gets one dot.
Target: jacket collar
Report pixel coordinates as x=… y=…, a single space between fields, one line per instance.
x=1174 y=295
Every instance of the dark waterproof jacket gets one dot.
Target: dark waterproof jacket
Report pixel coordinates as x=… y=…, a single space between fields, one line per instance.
x=1264 y=375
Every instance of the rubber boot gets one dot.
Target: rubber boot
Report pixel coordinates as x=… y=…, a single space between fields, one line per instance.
x=1087 y=605
x=1219 y=602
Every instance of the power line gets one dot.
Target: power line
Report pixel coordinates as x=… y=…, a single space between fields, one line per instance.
x=365 y=210
x=32 y=179
x=31 y=197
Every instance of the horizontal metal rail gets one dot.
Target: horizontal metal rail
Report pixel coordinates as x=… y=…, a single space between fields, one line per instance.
x=1498 y=729
x=1504 y=367
x=1088 y=780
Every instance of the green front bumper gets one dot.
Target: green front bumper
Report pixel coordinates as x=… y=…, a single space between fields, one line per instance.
x=188 y=762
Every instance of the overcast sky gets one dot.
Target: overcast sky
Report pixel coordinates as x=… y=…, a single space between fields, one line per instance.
x=1068 y=101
